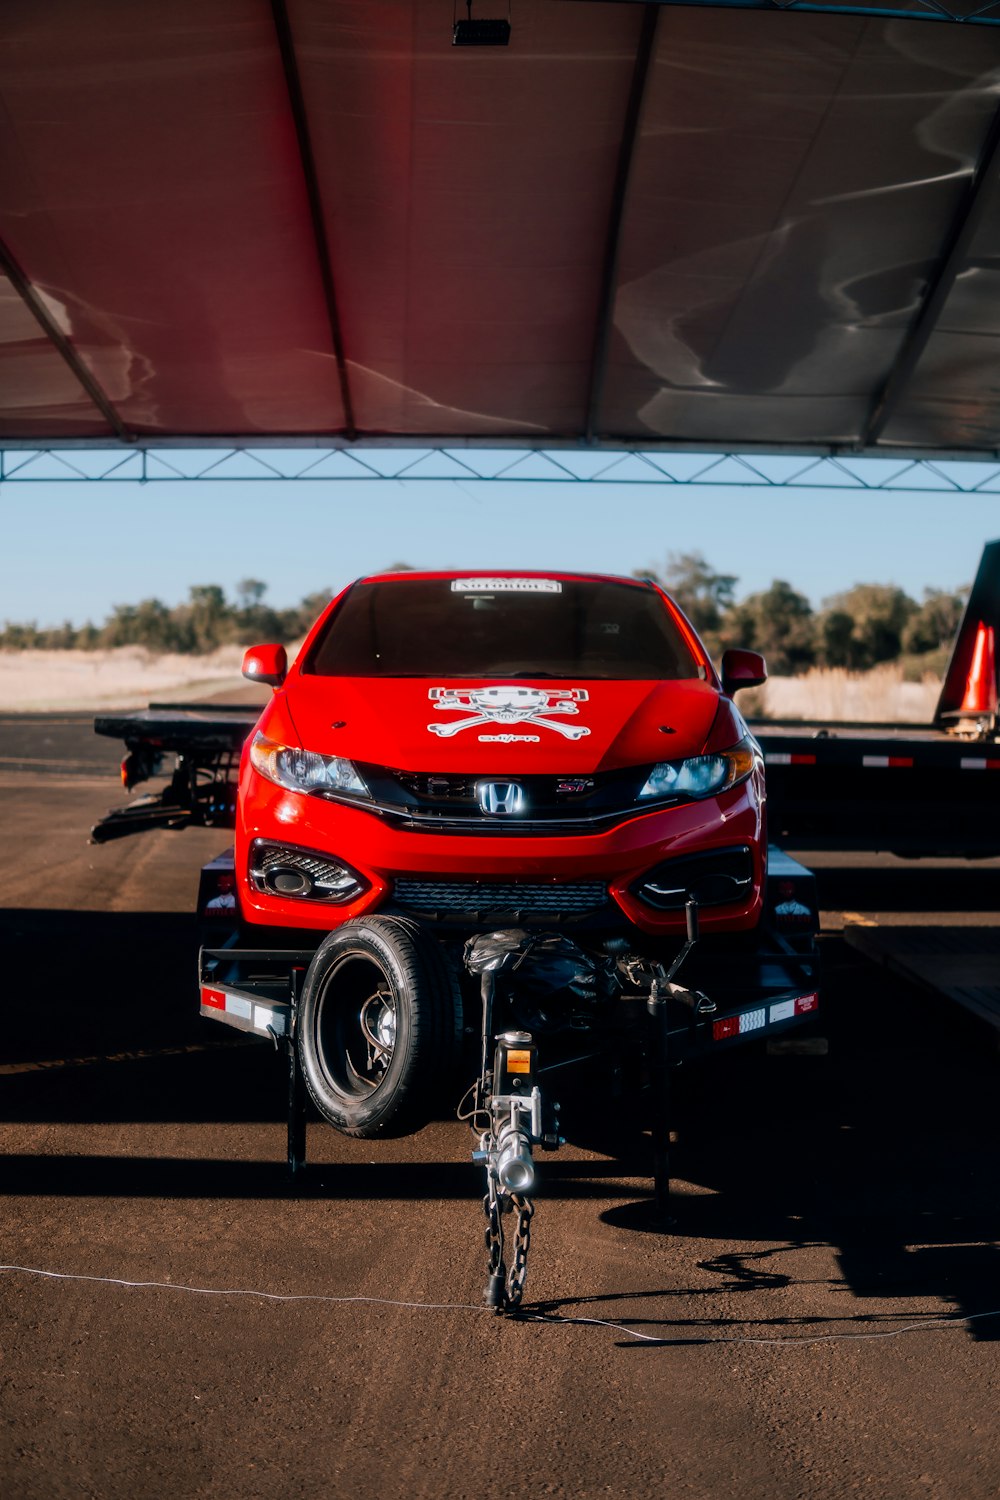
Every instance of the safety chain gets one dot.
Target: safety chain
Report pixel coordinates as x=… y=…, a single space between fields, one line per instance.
x=508 y=1288
x=524 y=1208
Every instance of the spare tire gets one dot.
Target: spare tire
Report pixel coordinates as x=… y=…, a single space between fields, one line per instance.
x=379 y=1027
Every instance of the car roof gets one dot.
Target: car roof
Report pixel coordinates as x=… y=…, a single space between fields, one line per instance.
x=558 y=575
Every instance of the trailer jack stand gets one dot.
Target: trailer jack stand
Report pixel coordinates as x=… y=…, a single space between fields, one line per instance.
x=296 y=1111
x=657 y=1006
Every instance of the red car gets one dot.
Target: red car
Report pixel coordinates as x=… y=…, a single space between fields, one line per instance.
x=454 y=753
x=554 y=746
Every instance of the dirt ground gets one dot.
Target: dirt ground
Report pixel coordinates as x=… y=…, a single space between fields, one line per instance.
x=823 y=1321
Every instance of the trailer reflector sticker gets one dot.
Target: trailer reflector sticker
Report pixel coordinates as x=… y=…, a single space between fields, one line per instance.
x=783 y=758
x=269 y=1020
x=978 y=763
x=884 y=761
x=728 y=1026
x=764 y=1016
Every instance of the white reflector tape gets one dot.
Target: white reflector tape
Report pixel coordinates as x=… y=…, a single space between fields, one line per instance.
x=778 y=758
x=978 y=763
x=264 y=1019
x=237 y=1006
x=750 y=1020
x=782 y=1010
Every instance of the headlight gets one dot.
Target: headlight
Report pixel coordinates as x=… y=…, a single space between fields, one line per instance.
x=304 y=770
x=702 y=775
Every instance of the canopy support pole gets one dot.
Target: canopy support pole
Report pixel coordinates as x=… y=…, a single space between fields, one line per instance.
x=296 y=101
x=609 y=274
x=954 y=254
x=29 y=296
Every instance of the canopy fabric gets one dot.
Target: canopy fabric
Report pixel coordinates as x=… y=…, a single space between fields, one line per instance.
x=318 y=218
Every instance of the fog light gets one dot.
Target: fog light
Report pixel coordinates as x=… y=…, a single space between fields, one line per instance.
x=284 y=881
x=301 y=874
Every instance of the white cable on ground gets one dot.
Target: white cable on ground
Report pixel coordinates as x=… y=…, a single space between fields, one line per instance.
x=943 y=1321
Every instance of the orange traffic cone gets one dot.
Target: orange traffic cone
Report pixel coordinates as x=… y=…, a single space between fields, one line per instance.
x=981 y=683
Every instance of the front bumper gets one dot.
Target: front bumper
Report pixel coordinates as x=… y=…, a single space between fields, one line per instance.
x=382 y=855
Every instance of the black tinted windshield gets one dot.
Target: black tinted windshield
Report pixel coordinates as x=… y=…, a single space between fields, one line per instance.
x=501 y=628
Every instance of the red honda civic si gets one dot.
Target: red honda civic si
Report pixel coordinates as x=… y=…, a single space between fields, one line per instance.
x=472 y=750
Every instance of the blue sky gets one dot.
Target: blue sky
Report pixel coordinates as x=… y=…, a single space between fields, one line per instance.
x=72 y=551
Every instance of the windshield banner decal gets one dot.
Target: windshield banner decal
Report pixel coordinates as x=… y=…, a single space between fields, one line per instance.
x=506 y=586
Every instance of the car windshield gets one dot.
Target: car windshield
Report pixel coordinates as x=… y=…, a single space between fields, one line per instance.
x=501 y=627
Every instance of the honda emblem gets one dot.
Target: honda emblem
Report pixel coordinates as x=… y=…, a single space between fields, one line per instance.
x=503 y=798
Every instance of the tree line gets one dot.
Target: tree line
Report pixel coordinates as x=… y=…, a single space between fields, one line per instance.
x=205 y=620
x=857 y=629
x=860 y=628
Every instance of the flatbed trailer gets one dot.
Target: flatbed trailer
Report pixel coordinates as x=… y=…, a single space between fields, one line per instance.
x=751 y=991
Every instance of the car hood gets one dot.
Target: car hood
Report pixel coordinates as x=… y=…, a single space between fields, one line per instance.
x=494 y=726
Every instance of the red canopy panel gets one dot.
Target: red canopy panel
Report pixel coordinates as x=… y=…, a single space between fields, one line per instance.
x=153 y=195
x=233 y=217
x=39 y=394
x=467 y=196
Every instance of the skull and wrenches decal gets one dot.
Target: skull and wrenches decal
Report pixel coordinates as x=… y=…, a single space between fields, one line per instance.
x=508 y=706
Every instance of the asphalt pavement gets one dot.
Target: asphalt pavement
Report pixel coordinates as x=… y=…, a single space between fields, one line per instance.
x=823 y=1320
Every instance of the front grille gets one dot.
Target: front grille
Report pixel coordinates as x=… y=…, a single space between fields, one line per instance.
x=446 y=802
x=481 y=899
x=438 y=788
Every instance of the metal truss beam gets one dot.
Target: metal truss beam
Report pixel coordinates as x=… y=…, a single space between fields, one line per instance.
x=954 y=257
x=506 y=465
x=969 y=13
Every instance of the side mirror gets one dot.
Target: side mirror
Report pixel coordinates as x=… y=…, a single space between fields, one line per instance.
x=742 y=669
x=265 y=664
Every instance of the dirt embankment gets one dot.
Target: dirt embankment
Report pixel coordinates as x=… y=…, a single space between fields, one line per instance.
x=126 y=677
x=130 y=677
x=880 y=696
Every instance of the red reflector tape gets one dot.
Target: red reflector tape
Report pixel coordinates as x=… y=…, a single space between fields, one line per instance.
x=884 y=761
x=214 y=999
x=805 y=1003
x=782 y=758
x=728 y=1026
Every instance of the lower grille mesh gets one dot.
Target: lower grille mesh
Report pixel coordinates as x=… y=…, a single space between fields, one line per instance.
x=474 y=897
